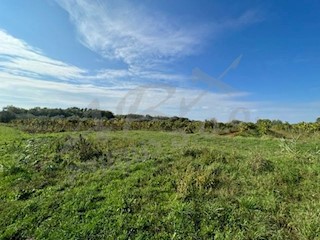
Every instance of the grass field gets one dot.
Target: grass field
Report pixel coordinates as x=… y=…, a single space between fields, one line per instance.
x=157 y=185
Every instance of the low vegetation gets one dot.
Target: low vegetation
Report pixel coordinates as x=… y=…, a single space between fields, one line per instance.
x=44 y=120
x=262 y=182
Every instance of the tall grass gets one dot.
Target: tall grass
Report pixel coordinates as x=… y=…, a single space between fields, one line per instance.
x=157 y=185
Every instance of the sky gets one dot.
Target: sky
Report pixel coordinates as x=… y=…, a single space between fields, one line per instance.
x=201 y=59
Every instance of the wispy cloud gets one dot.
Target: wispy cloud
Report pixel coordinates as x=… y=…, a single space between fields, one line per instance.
x=29 y=78
x=17 y=57
x=249 y=17
x=146 y=42
x=124 y=31
x=148 y=99
x=28 y=92
x=117 y=29
x=118 y=76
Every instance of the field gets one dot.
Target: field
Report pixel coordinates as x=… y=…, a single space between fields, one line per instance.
x=157 y=185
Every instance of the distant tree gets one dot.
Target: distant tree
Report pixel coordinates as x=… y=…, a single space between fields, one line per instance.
x=245 y=126
x=7 y=116
x=235 y=122
x=318 y=120
x=264 y=125
x=211 y=123
x=35 y=111
x=15 y=110
x=148 y=117
x=276 y=122
x=133 y=116
x=107 y=114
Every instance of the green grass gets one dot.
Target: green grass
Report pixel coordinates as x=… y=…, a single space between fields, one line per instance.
x=157 y=185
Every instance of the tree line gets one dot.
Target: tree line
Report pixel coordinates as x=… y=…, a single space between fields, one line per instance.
x=11 y=113
x=80 y=119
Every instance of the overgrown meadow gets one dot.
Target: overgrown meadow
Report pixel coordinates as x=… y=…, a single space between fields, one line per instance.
x=157 y=185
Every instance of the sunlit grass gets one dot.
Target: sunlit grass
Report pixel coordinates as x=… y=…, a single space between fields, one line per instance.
x=157 y=185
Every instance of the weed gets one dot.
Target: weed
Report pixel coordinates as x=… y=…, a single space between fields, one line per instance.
x=260 y=164
x=158 y=185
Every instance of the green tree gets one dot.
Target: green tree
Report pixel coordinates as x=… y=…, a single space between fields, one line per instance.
x=264 y=126
x=7 y=116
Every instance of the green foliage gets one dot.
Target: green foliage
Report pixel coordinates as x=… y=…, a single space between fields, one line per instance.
x=264 y=126
x=44 y=120
x=304 y=127
x=10 y=113
x=7 y=116
x=157 y=185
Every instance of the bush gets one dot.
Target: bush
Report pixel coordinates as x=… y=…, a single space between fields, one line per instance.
x=7 y=116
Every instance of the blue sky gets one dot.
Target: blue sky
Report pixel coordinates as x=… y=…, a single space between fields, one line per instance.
x=199 y=59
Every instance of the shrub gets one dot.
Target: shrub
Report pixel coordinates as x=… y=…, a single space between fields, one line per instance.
x=260 y=164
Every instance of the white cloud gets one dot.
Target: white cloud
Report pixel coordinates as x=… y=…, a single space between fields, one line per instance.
x=247 y=18
x=140 y=37
x=17 y=57
x=131 y=34
x=125 y=75
x=145 y=42
x=156 y=99
x=148 y=99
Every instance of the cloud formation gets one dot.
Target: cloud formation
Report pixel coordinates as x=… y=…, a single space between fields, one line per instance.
x=144 y=99
x=27 y=85
x=29 y=78
x=145 y=42
x=17 y=57
x=117 y=30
